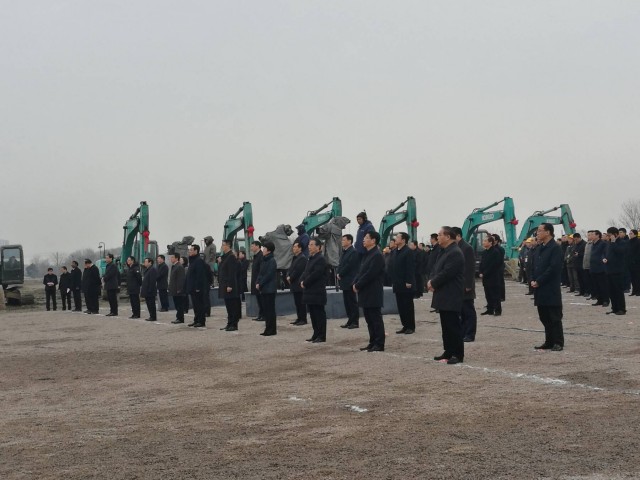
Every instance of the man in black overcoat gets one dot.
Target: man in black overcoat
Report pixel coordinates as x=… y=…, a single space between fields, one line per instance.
x=91 y=286
x=468 y=315
x=149 y=288
x=369 y=286
x=294 y=275
x=163 y=283
x=402 y=271
x=176 y=287
x=76 y=286
x=134 y=283
x=314 y=290
x=197 y=286
x=228 y=286
x=256 y=263
x=111 y=281
x=65 y=288
x=491 y=272
x=447 y=284
x=347 y=271
x=50 y=281
x=546 y=279
x=265 y=284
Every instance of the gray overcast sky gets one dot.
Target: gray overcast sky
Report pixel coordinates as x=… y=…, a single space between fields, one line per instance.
x=197 y=106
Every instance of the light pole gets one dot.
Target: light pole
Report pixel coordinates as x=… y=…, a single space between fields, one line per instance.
x=102 y=248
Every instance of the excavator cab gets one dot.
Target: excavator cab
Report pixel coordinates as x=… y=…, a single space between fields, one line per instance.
x=11 y=265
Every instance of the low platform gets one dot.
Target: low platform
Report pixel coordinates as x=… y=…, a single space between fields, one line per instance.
x=334 y=307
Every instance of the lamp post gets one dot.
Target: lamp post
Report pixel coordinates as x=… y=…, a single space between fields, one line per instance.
x=102 y=248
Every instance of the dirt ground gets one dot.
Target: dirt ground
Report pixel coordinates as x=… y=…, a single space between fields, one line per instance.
x=88 y=396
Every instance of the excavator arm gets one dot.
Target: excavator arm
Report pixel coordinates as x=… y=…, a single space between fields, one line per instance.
x=395 y=216
x=317 y=218
x=138 y=223
x=241 y=220
x=481 y=216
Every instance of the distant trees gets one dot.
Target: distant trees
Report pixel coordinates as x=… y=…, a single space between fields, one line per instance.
x=39 y=264
x=630 y=216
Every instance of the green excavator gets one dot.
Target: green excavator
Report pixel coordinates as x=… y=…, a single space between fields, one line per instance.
x=136 y=241
x=12 y=275
x=241 y=220
x=395 y=216
x=482 y=216
x=538 y=218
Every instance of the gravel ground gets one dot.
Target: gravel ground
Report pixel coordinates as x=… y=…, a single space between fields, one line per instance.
x=88 y=396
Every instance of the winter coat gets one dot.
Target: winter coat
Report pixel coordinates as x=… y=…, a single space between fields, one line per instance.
x=370 y=279
x=314 y=280
x=447 y=279
x=50 y=278
x=65 y=282
x=149 y=283
x=363 y=229
x=295 y=272
x=469 y=270
x=134 y=279
x=348 y=268
x=598 y=253
x=578 y=253
x=255 y=271
x=402 y=270
x=547 y=271
x=228 y=276
x=196 y=279
x=76 y=279
x=268 y=272
x=177 y=279
x=163 y=276
x=616 y=254
x=491 y=267
x=111 y=277
x=91 y=284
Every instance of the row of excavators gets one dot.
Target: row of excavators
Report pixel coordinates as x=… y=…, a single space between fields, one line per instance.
x=326 y=221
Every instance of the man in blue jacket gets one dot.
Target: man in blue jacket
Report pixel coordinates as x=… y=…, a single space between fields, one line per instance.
x=546 y=278
x=365 y=226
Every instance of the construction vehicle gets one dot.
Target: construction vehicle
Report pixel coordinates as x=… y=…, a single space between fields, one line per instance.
x=241 y=220
x=12 y=275
x=482 y=216
x=135 y=243
x=532 y=223
x=395 y=217
x=317 y=218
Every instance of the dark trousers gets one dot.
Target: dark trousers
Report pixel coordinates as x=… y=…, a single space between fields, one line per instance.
x=269 y=312
x=135 y=304
x=206 y=302
x=178 y=302
x=635 y=281
x=492 y=294
x=77 y=299
x=469 y=319
x=503 y=290
x=163 y=295
x=112 y=295
x=318 y=321
x=586 y=282
x=406 y=310
x=92 y=302
x=260 y=307
x=66 y=299
x=600 y=287
x=452 y=337
x=375 y=324
x=234 y=307
x=151 y=306
x=582 y=287
x=351 y=307
x=551 y=318
x=616 y=292
x=199 y=313
x=301 y=308
x=51 y=296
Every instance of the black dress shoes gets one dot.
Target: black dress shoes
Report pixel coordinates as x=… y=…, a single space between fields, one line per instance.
x=267 y=334
x=402 y=331
x=597 y=304
x=609 y=313
x=225 y=327
x=150 y=319
x=556 y=348
x=444 y=356
x=376 y=348
x=352 y=326
x=164 y=309
x=312 y=339
x=544 y=346
x=409 y=331
x=346 y=325
x=621 y=312
x=605 y=304
x=258 y=319
x=192 y=324
x=488 y=312
x=231 y=329
x=175 y=322
x=367 y=348
x=199 y=325
x=298 y=323
x=453 y=360
x=319 y=340
x=468 y=339
x=111 y=315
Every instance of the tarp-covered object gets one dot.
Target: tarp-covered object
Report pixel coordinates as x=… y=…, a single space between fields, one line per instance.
x=331 y=234
x=181 y=247
x=280 y=238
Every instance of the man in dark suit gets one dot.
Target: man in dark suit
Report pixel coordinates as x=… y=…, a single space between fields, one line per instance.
x=228 y=286
x=197 y=285
x=615 y=261
x=402 y=271
x=91 y=286
x=76 y=286
x=546 y=279
x=579 y=246
x=256 y=263
x=447 y=284
x=163 y=283
x=347 y=271
x=149 y=290
x=265 y=284
x=50 y=281
x=597 y=269
x=633 y=256
x=111 y=280
x=65 y=288
x=468 y=315
x=490 y=272
x=369 y=285
x=314 y=290
x=176 y=287
x=294 y=274
x=134 y=283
